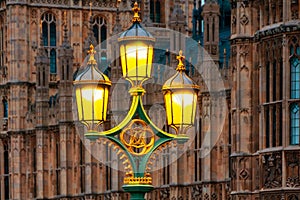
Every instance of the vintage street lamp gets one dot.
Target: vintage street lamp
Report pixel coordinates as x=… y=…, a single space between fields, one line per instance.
x=180 y=95
x=92 y=89
x=136 y=51
x=136 y=137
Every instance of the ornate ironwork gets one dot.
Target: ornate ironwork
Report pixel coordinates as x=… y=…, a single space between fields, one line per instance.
x=137 y=137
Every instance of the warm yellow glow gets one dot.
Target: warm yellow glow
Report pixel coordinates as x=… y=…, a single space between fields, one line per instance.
x=79 y=104
x=180 y=107
x=92 y=94
x=92 y=103
x=123 y=60
x=136 y=58
x=150 y=57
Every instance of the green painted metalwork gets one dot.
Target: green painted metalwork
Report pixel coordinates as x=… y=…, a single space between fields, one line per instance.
x=137 y=110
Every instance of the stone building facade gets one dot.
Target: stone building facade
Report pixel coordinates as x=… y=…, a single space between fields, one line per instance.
x=265 y=100
x=246 y=136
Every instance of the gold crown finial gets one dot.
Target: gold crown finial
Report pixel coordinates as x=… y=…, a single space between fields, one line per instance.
x=92 y=52
x=180 y=58
x=136 y=9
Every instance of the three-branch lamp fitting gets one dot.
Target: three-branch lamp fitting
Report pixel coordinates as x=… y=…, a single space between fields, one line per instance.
x=136 y=51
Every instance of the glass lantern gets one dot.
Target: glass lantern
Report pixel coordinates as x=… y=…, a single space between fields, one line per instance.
x=136 y=51
x=92 y=91
x=180 y=96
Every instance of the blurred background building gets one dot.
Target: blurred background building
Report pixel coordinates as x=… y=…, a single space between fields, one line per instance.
x=253 y=43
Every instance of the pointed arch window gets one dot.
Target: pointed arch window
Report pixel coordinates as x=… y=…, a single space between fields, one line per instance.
x=295 y=73
x=294 y=124
x=273 y=95
x=100 y=31
x=48 y=21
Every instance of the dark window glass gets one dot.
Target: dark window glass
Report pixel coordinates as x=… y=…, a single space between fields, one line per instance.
x=45 y=33
x=267 y=82
x=280 y=125
x=267 y=118
x=52 y=34
x=5 y=108
x=295 y=78
x=294 y=124
x=152 y=10
x=157 y=11
x=96 y=33
x=49 y=39
x=100 y=31
x=281 y=79
x=274 y=138
x=53 y=61
x=274 y=81
x=103 y=36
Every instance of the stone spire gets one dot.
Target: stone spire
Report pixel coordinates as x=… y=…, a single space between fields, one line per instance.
x=177 y=23
x=196 y=21
x=42 y=83
x=118 y=26
x=211 y=16
x=65 y=61
x=90 y=38
x=66 y=42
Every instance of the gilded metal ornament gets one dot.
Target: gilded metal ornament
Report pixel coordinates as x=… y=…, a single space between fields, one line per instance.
x=138 y=137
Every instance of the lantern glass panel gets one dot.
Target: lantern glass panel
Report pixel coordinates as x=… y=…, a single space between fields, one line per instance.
x=136 y=58
x=92 y=103
x=181 y=107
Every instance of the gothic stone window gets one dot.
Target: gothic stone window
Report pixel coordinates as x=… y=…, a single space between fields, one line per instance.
x=48 y=22
x=273 y=94
x=295 y=72
x=100 y=31
x=294 y=123
x=294 y=92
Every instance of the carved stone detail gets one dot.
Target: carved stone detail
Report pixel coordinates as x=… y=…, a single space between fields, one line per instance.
x=244 y=174
x=292 y=169
x=196 y=191
x=164 y=193
x=272 y=169
x=244 y=20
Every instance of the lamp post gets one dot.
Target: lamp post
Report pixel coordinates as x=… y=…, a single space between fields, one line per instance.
x=137 y=137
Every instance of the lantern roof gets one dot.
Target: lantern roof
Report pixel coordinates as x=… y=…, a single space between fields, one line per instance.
x=91 y=74
x=136 y=31
x=180 y=80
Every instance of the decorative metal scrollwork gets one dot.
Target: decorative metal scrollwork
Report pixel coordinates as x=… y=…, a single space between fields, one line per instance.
x=138 y=137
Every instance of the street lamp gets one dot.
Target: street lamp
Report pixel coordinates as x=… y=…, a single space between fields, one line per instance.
x=180 y=95
x=136 y=51
x=92 y=89
x=136 y=137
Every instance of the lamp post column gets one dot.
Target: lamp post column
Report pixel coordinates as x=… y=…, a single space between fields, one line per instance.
x=137 y=192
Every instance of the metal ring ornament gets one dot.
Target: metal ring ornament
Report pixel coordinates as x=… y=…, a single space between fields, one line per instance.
x=138 y=137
